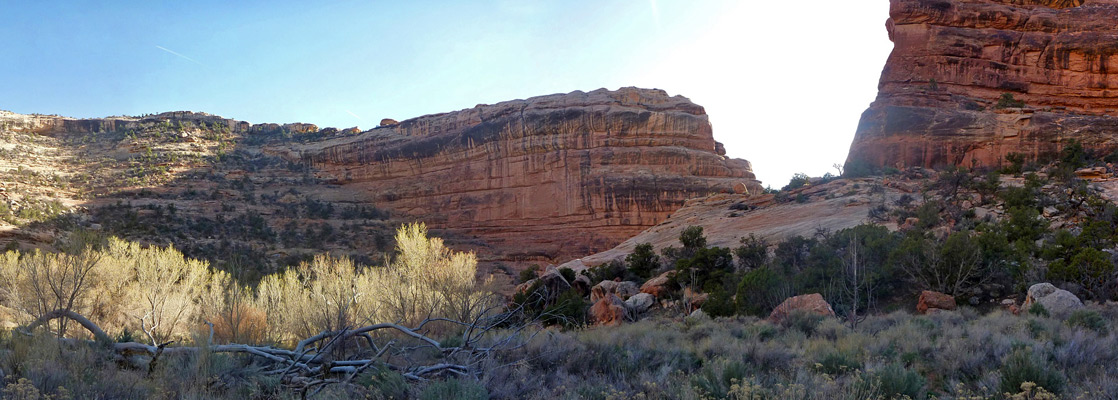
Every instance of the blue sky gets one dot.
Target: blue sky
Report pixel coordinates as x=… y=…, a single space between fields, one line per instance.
x=784 y=84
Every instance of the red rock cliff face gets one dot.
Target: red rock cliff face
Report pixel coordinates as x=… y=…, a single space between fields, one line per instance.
x=938 y=100
x=547 y=178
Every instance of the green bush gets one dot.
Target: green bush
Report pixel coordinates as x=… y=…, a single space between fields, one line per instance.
x=836 y=362
x=799 y=180
x=1016 y=164
x=1088 y=319
x=802 y=321
x=606 y=272
x=1022 y=366
x=643 y=262
x=758 y=292
x=897 y=382
x=753 y=252
x=569 y=310
x=384 y=383
x=716 y=378
x=1008 y=101
x=454 y=389
x=530 y=273
x=568 y=274
x=1038 y=310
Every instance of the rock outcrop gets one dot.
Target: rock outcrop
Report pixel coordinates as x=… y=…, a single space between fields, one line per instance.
x=930 y=300
x=808 y=303
x=1058 y=302
x=606 y=288
x=546 y=178
x=609 y=310
x=970 y=81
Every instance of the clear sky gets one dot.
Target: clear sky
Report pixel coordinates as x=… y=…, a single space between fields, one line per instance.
x=784 y=82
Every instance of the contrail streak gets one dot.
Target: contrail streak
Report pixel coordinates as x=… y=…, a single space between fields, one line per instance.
x=180 y=55
x=354 y=115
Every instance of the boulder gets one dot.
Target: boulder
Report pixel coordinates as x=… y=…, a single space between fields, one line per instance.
x=609 y=310
x=1094 y=173
x=551 y=284
x=388 y=121
x=930 y=300
x=1010 y=305
x=1059 y=303
x=811 y=303
x=582 y=284
x=640 y=302
x=621 y=289
x=697 y=314
x=658 y=286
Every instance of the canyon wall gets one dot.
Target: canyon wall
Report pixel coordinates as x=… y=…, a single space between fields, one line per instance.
x=542 y=179
x=970 y=81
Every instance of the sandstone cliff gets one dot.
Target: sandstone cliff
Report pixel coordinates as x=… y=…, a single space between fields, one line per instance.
x=547 y=178
x=543 y=179
x=944 y=96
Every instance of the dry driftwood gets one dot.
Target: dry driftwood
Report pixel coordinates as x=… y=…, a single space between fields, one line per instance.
x=321 y=360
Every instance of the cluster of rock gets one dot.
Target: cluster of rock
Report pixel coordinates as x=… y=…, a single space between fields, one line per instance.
x=974 y=80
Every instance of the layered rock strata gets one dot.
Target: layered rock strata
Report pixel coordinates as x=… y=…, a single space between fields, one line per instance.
x=970 y=81
x=545 y=178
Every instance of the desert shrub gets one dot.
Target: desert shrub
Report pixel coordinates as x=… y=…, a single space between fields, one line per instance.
x=894 y=381
x=1073 y=155
x=1008 y=101
x=568 y=311
x=607 y=271
x=454 y=389
x=568 y=274
x=799 y=180
x=1016 y=163
x=716 y=379
x=1088 y=319
x=802 y=321
x=642 y=262
x=753 y=252
x=758 y=292
x=928 y=214
x=835 y=362
x=1038 y=310
x=530 y=273
x=706 y=268
x=692 y=239
x=384 y=384
x=1022 y=366
x=720 y=303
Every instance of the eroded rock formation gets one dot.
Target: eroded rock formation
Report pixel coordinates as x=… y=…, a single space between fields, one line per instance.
x=970 y=81
x=547 y=178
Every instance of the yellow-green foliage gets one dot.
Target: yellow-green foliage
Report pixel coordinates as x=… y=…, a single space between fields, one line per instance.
x=156 y=291
x=328 y=293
